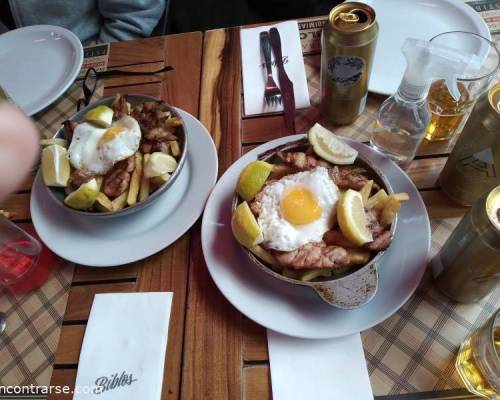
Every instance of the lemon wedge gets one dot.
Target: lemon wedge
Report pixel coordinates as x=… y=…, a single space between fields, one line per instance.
x=252 y=178
x=329 y=147
x=352 y=218
x=159 y=164
x=55 y=166
x=60 y=141
x=84 y=197
x=245 y=228
x=102 y=116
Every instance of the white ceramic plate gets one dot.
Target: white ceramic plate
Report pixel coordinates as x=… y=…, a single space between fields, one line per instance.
x=37 y=64
x=298 y=311
x=101 y=243
x=399 y=19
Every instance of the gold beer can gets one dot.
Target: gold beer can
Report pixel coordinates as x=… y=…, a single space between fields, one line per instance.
x=347 y=48
x=468 y=266
x=474 y=164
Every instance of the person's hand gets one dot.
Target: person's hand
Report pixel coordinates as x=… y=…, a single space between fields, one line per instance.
x=18 y=147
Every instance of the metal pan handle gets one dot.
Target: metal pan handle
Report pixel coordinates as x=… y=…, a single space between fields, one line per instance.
x=351 y=291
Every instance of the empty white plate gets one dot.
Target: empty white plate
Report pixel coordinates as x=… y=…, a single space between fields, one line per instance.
x=400 y=19
x=38 y=64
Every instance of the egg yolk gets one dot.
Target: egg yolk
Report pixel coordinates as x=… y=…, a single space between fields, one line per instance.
x=299 y=207
x=110 y=134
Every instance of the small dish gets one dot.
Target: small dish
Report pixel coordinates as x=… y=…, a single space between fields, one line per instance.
x=58 y=194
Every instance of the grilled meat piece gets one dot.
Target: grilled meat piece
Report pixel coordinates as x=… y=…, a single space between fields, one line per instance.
x=299 y=160
x=349 y=178
x=153 y=121
x=146 y=146
x=159 y=133
x=117 y=180
x=381 y=242
x=120 y=106
x=337 y=238
x=314 y=255
x=149 y=146
x=78 y=178
x=373 y=217
x=69 y=127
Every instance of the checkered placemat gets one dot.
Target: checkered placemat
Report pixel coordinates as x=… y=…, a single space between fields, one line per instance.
x=415 y=349
x=28 y=346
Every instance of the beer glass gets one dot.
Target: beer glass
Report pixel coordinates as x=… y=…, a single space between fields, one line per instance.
x=478 y=362
x=449 y=115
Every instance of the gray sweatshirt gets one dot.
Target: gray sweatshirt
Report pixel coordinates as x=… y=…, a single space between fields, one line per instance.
x=92 y=20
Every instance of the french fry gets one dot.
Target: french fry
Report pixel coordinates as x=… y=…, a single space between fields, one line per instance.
x=175 y=149
x=135 y=180
x=358 y=257
x=403 y=196
x=99 y=180
x=264 y=255
x=120 y=201
x=145 y=184
x=391 y=208
x=172 y=122
x=314 y=273
x=366 y=191
x=103 y=203
x=291 y=273
x=377 y=201
x=280 y=170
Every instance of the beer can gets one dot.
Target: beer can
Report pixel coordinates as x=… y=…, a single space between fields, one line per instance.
x=468 y=266
x=347 y=49
x=474 y=164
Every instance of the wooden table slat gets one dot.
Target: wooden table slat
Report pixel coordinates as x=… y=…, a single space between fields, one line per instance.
x=81 y=297
x=92 y=274
x=62 y=378
x=70 y=344
x=149 y=89
x=254 y=341
x=212 y=359
x=136 y=52
x=257 y=383
x=19 y=205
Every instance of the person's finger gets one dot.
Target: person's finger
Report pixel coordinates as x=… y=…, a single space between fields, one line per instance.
x=18 y=147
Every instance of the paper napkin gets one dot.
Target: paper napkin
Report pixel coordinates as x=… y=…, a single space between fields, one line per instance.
x=123 y=350
x=254 y=71
x=327 y=369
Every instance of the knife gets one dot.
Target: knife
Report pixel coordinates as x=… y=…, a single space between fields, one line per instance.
x=286 y=84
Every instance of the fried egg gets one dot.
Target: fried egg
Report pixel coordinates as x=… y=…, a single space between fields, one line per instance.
x=96 y=150
x=297 y=209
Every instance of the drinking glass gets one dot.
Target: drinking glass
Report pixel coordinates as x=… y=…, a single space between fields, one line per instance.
x=19 y=258
x=478 y=362
x=449 y=115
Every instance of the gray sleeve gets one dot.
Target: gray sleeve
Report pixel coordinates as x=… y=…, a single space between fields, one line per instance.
x=129 y=19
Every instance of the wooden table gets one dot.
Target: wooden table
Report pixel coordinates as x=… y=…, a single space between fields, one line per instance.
x=213 y=351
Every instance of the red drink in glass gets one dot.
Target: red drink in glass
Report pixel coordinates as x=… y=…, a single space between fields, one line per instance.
x=24 y=264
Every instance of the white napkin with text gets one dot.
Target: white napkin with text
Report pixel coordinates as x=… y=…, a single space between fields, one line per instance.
x=254 y=71
x=123 y=351
x=327 y=369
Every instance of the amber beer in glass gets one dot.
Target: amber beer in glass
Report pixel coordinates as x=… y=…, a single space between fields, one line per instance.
x=448 y=115
x=478 y=362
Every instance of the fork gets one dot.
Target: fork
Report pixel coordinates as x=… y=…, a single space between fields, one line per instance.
x=272 y=93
